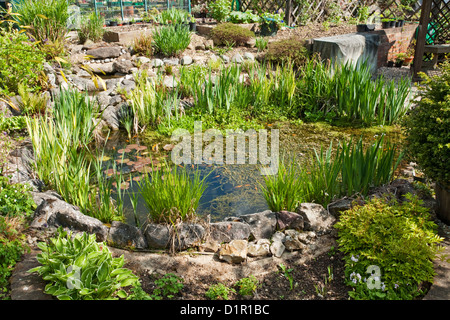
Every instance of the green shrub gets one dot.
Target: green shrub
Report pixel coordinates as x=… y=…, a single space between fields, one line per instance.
x=168 y=286
x=91 y=27
x=79 y=268
x=247 y=286
x=173 y=16
x=427 y=127
x=21 y=62
x=15 y=199
x=219 y=292
x=243 y=17
x=393 y=244
x=229 y=33
x=171 y=40
x=291 y=49
x=12 y=246
x=220 y=9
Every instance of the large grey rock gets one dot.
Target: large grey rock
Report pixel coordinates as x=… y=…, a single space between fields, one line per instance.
x=292 y=241
x=102 y=68
x=110 y=116
x=104 y=52
x=262 y=224
x=237 y=58
x=335 y=208
x=290 y=220
x=234 y=252
x=226 y=231
x=54 y=212
x=188 y=235
x=316 y=217
x=157 y=63
x=122 y=66
x=277 y=247
x=186 y=60
x=158 y=235
x=126 y=236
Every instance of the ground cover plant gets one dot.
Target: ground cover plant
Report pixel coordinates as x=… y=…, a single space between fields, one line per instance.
x=389 y=248
x=80 y=268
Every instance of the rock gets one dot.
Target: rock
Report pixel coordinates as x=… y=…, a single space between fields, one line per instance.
x=19 y=167
x=48 y=69
x=171 y=61
x=157 y=235
x=209 y=246
x=209 y=44
x=292 y=241
x=102 y=68
x=115 y=100
x=200 y=46
x=335 y=208
x=277 y=247
x=251 y=43
x=122 y=66
x=225 y=58
x=54 y=212
x=289 y=220
x=142 y=60
x=170 y=82
x=249 y=56
x=111 y=118
x=260 y=248
x=104 y=52
x=126 y=236
x=237 y=58
x=226 y=231
x=262 y=224
x=402 y=187
x=186 y=60
x=234 y=252
x=157 y=63
x=316 y=217
x=188 y=235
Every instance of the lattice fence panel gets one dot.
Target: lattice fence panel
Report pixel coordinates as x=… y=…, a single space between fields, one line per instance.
x=440 y=21
x=395 y=9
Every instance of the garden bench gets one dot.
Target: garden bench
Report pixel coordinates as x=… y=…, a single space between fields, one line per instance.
x=436 y=49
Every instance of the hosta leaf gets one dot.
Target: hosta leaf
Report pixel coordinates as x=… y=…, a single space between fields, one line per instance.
x=103 y=272
x=64 y=297
x=122 y=294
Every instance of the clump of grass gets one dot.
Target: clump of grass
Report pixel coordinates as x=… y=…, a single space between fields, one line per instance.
x=143 y=45
x=172 y=193
x=171 y=40
x=283 y=51
x=261 y=43
x=91 y=27
x=226 y=33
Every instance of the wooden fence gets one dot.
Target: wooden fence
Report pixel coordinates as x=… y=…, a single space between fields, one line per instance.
x=298 y=12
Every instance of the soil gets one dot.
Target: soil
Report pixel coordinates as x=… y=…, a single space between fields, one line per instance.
x=316 y=273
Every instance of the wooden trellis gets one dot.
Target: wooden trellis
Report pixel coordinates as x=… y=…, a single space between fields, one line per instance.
x=433 y=31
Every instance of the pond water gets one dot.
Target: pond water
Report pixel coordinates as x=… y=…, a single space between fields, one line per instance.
x=233 y=189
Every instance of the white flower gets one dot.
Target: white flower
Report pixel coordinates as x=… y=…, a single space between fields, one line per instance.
x=354 y=259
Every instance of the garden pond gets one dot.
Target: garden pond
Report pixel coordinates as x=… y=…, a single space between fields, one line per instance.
x=232 y=189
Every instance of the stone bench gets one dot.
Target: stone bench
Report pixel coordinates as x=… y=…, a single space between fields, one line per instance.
x=436 y=49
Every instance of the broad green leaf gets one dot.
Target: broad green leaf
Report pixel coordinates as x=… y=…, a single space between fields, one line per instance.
x=122 y=294
x=102 y=272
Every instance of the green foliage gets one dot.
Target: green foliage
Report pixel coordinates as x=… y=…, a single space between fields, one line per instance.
x=220 y=9
x=15 y=199
x=91 y=27
x=350 y=93
x=243 y=17
x=173 y=16
x=168 y=286
x=399 y=239
x=219 y=291
x=247 y=286
x=350 y=169
x=171 y=40
x=21 y=62
x=32 y=103
x=12 y=123
x=172 y=193
x=12 y=246
x=427 y=127
x=261 y=43
x=79 y=268
x=47 y=19
x=227 y=33
x=288 y=274
x=287 y=50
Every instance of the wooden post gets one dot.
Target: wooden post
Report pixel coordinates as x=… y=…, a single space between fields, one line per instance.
x=288 y=13
x=421 y=37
